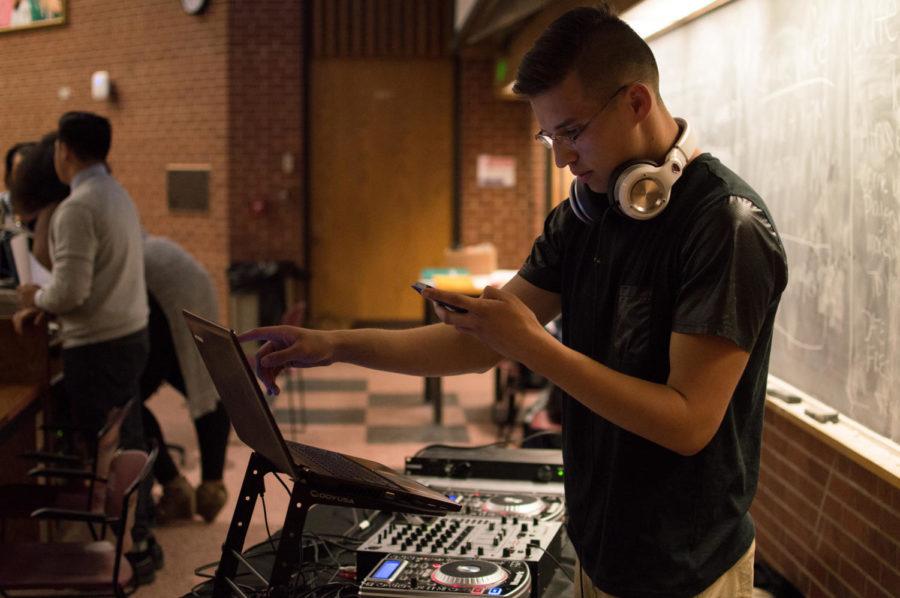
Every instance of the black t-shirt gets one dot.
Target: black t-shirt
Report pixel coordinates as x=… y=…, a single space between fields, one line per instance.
x=645 y=520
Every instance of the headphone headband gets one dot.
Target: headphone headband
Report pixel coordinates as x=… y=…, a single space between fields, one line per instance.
x=639 y=189
x=685 y=145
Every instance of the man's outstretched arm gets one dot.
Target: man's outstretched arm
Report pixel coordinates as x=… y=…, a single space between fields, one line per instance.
x=436 y=350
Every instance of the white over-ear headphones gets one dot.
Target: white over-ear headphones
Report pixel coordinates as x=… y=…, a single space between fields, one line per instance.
x=639 y=189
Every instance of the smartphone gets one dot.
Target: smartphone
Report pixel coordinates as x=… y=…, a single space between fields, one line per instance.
x=421 y=286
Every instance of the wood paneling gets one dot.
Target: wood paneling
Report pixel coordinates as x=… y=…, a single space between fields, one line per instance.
x=381 y=163
x=382 y=28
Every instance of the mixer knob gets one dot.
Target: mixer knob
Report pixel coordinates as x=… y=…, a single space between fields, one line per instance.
x=506 y=552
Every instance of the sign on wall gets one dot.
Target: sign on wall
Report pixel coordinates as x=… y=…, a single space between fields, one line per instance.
x=27 y=14
x=496 y=171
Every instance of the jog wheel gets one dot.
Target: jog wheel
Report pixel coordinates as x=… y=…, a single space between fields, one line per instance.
x=516 y=505
x=469 y=574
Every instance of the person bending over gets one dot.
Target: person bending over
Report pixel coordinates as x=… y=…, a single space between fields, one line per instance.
x=176 y=281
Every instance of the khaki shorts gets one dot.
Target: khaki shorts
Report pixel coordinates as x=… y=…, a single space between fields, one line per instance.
x=737 y=582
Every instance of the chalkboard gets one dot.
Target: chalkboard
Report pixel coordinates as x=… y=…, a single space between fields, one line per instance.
x=802 y=99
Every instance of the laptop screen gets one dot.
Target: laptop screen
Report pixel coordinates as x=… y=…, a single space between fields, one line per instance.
x=239 y=391
x=254 y=424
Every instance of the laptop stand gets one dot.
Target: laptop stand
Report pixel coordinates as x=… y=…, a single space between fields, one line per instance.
x=288 y=554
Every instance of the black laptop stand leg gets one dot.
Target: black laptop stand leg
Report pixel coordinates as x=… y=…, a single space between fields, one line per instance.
x=288 y=558
x=288 y=555
x=253 y=485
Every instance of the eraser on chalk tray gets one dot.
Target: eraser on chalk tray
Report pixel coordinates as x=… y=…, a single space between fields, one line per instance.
x=784 y=396
x=822 y=415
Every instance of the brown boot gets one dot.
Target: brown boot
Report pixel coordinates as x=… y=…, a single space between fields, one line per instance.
x=211 y=497
x=177 y=501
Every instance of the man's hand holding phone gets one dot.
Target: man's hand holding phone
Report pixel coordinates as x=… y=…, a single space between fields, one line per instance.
x=420 y=288
x=497 y=318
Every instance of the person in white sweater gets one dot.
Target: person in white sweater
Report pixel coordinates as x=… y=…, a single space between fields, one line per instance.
x=175 y=281
x=98 y=294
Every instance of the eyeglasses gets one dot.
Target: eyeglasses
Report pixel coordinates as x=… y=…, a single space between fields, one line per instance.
x=570 y=136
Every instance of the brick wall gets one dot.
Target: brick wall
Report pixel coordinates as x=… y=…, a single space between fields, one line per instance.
x=222 y=88
x=505 y=217
x=264 y=124
x=829 y=525
x=169 y=72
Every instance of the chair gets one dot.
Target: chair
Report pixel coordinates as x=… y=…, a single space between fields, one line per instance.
x=82 y=488
x=540 y=423
x=96 y=567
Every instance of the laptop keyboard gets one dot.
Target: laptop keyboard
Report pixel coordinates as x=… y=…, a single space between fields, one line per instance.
x=337 y=465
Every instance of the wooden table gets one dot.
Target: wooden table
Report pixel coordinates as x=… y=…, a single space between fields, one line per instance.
x=24 y=380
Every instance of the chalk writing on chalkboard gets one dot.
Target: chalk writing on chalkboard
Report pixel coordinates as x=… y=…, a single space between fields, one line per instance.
x=802 y=100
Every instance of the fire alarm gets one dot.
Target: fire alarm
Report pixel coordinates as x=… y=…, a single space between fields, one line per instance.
x=194 y=7
x=100 y=85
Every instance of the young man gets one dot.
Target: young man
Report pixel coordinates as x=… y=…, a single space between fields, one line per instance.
x=667 y=319
x=98 y=294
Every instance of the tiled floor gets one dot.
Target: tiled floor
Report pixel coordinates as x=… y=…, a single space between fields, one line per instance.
x=376 y=415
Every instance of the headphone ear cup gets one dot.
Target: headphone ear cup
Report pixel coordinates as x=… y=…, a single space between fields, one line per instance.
x=628 y=177
x=585 y=203
x=612 y=183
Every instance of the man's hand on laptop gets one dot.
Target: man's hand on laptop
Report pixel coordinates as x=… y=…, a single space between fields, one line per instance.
x=287 y=347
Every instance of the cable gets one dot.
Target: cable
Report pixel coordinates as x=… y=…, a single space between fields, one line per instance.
x=280 y=481
x=538 y=435
x=555 y=562
x=458 y=448
x=198 y=572
x=364 y=524
x=262 y=495
x=482 y=446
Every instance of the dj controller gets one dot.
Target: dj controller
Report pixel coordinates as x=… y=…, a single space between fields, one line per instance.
x=505 y=541
x=405 y=575
x=542 y=507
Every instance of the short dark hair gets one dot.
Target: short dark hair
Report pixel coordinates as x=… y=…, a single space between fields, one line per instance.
x=594 y=43
x=88 y=135
x=19 y=148
x=36 y=184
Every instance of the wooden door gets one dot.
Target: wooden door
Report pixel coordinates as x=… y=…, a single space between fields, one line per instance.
x=381 y=166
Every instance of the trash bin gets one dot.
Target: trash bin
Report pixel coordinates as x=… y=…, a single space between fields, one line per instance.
x=261 y=292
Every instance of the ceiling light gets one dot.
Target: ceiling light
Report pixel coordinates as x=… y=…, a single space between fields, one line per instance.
x=655 y=17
